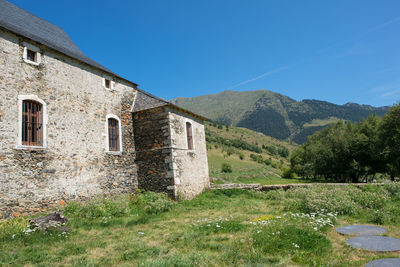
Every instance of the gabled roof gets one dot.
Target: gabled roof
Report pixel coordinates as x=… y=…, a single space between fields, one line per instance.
x=26 y=24
x=146 y=101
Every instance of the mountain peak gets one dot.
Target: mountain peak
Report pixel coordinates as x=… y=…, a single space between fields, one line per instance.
x=275 y=114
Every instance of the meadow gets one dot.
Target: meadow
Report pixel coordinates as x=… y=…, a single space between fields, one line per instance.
x=218 y=228
x=252 y=156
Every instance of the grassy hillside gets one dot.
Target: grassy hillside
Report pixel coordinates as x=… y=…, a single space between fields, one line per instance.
x=274 y=114
x=253 y=156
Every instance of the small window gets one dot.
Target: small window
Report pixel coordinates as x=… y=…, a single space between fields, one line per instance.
x=114 y=138
x=32 y=123
x=108 y=83
x=189 y=135
x=31 y=54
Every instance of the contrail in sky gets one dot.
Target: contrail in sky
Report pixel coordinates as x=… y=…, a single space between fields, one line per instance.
x=357 y=36
x=260 y=76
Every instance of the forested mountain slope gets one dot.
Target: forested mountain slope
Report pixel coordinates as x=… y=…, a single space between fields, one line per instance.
x=274 y=114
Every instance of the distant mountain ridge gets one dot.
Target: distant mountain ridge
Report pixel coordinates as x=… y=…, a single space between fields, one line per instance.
x=275 y=114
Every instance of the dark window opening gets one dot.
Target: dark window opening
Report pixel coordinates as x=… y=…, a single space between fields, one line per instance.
x=107 y=83
x=32 y=123
x=189 y=135
x=113 y=135
x=31 y=55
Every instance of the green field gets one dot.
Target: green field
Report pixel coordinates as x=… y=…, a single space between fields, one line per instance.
x=320 y=122
x=217 y=228
x=246 y=170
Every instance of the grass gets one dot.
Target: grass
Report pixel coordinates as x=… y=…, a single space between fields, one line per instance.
x=321 y=122
x=244 y=169
x=217 y=228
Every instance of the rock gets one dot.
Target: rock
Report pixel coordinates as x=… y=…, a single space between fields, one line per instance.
x=54 y=221
x=389 y=262
x=375 y=243
x=361 y=230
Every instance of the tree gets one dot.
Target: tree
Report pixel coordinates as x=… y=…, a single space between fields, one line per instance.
x=391 y=140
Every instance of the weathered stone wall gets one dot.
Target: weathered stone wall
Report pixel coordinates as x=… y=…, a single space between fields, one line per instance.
x=190 y=166
x=74 y=164
x=153 y=152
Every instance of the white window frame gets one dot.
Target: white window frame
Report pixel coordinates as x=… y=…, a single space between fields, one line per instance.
x=34 y=49
x=112 y=83
x=21 y=99
x=112 y=116
x=187 y=145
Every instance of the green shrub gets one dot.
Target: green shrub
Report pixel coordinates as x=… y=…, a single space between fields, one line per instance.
x=365 y=199
x=151 y=202
x=289 y=173
x=230 y=151
x=99 y=208
x=268 y=162
x=241 y=156
x=226 y=167
x=322 y=197
x=111 y=208
x=283 y=152
x=12 y=228
x=379 y=217
x=393 y=189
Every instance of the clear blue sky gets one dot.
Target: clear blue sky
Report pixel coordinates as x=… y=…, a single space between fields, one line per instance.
x=339 y=50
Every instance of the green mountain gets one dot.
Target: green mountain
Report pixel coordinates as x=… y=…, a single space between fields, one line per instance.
x=274 y=114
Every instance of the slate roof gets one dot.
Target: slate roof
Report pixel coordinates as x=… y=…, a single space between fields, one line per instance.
x=146 y=101
x=24 y=23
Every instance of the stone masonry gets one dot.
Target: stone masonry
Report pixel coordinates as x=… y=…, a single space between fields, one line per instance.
x=75 y=164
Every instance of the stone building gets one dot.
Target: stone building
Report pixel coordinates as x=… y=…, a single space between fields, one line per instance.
x=72 y=129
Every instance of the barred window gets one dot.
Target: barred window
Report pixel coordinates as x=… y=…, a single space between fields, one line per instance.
x=189 y=135
x=32 y=123
x=113 y=135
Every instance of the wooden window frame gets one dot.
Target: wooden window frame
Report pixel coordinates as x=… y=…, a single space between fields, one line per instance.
x=31 y=48
x=189 y=135
x=42 y=120
x=119 y=149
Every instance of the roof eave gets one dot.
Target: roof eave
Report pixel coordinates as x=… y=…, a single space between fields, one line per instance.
x=70 y=56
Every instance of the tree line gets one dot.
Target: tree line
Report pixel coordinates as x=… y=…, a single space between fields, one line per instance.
x=351 y=152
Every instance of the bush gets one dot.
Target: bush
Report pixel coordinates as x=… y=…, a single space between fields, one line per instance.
x=257 y=158
x=98 y=208
x=141 y=202
x=322 y=197
x=151 y=202
x=241 y=156
x=271 y=149
x=230 y=151
x=12 y=228
x=283 y=152
x=288 y=173
x=393 y=189
x=226 y=167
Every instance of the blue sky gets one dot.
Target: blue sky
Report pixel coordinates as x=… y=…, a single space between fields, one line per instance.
x=338 y=51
